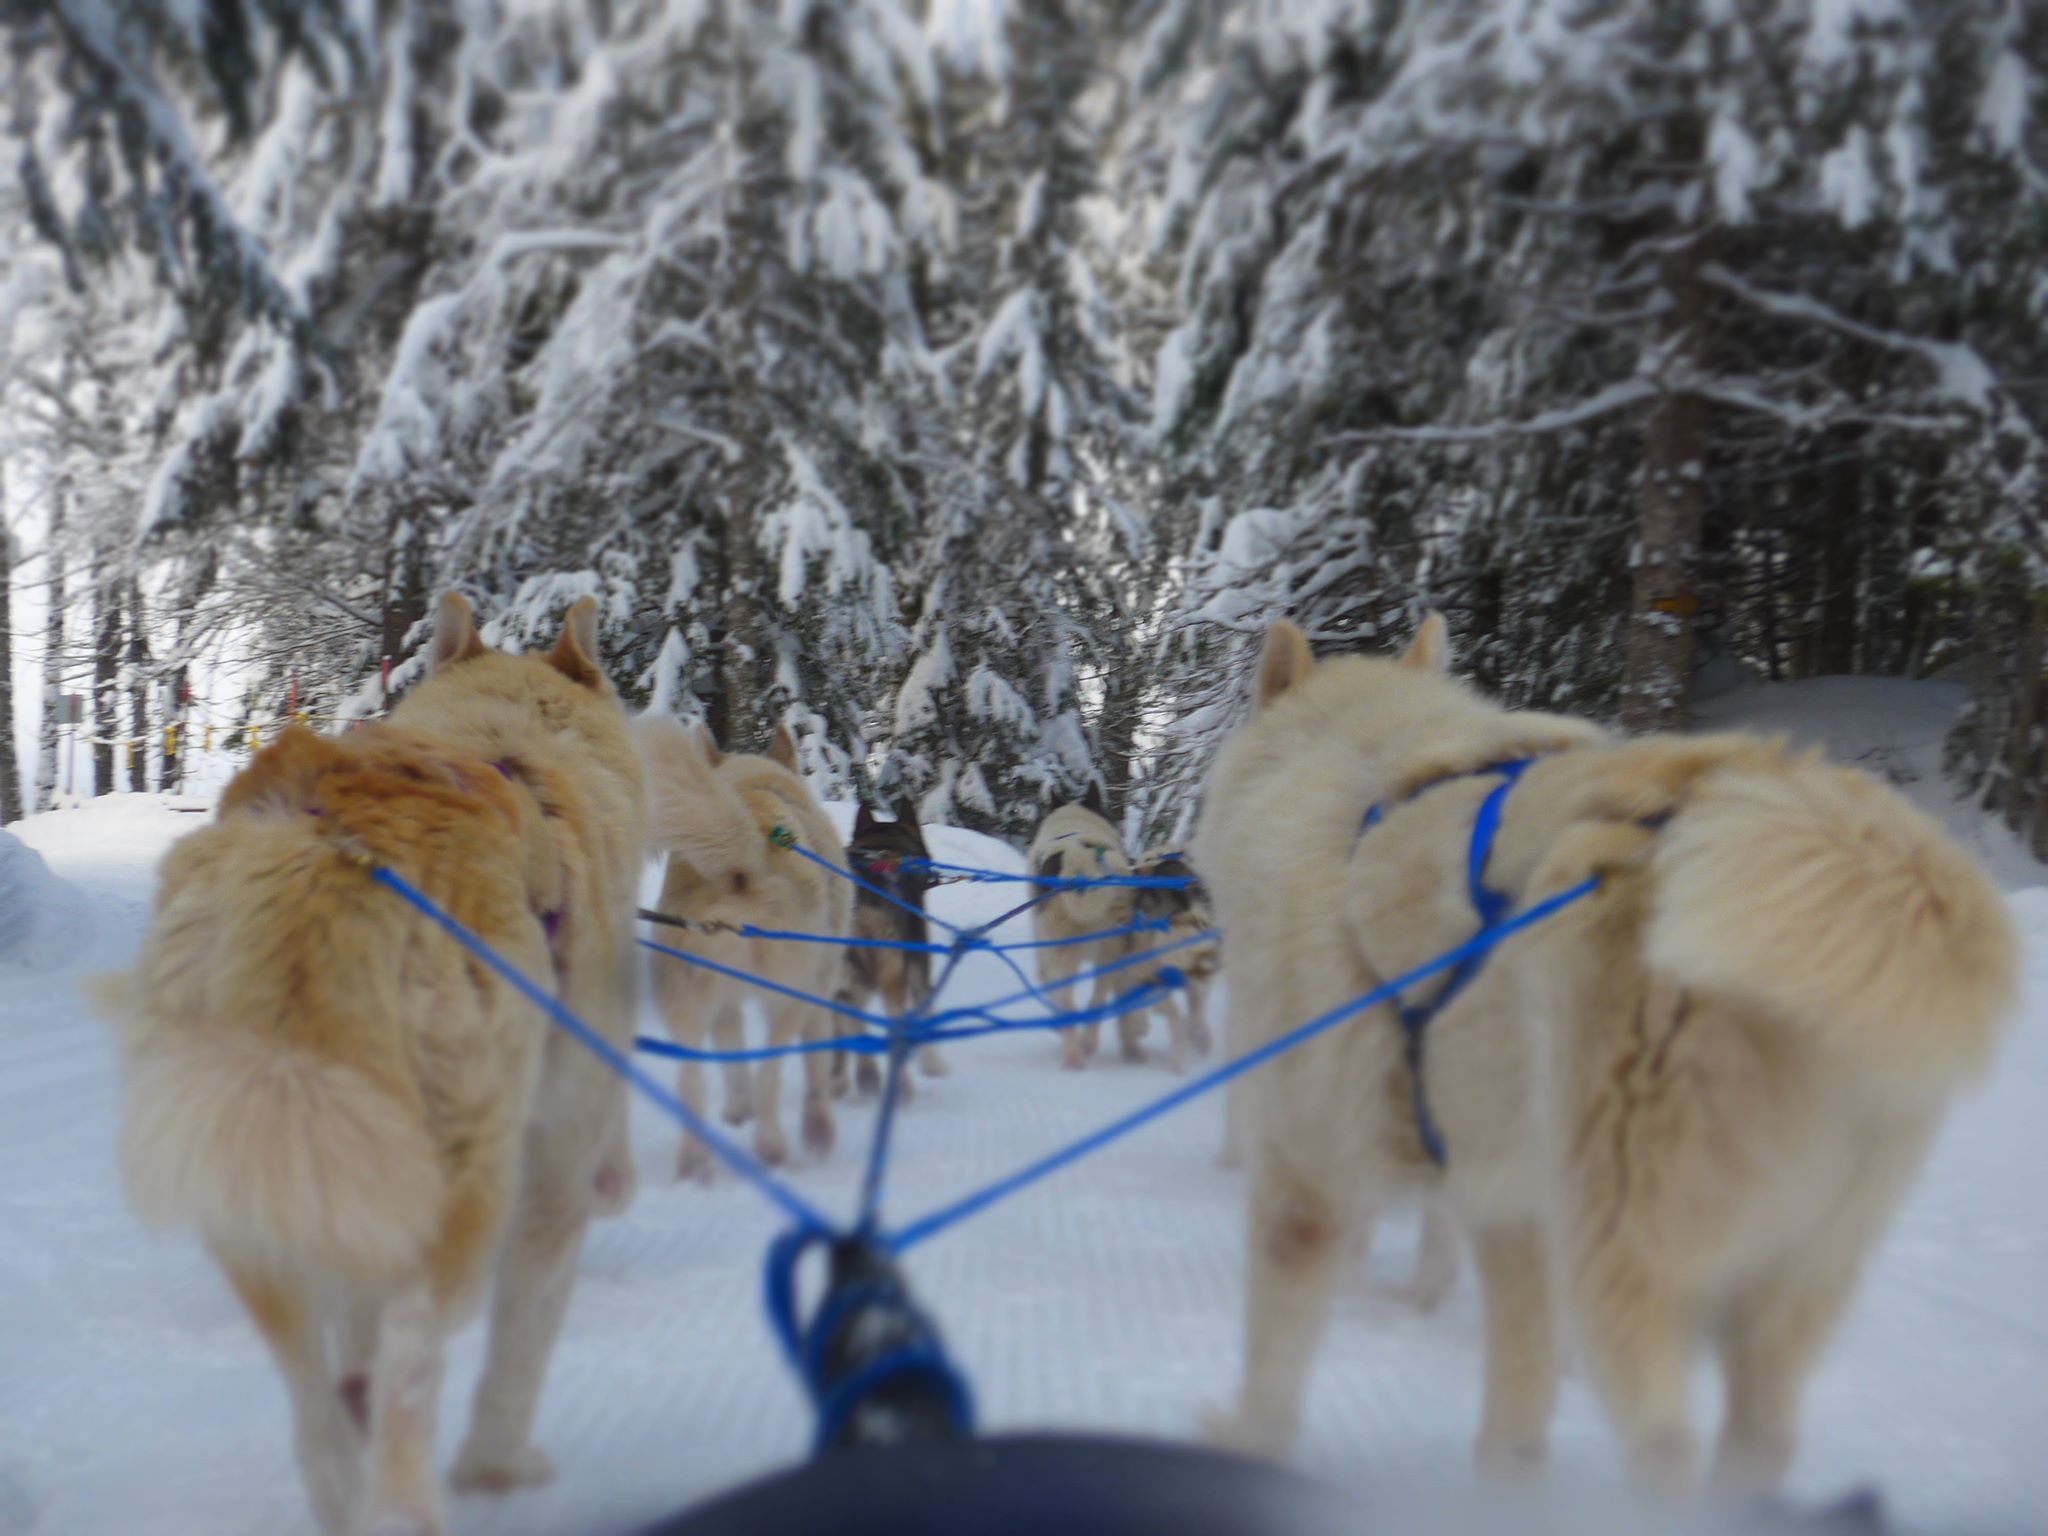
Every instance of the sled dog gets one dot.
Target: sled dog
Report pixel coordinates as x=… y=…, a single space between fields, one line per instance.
x=1680 y=1111
x=901 y=978
x=1184 y=912
x=364 y=1124
x=1077 y=842
x=715 y=818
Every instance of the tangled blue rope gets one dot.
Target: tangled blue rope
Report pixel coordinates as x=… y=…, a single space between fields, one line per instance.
x=912 y=1357
x=980 y=1200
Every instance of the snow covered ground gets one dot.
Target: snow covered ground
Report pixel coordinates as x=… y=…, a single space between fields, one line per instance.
x=135 y=1398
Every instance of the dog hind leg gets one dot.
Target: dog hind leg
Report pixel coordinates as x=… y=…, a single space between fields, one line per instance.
x=1295 y=1244
x=729 y=1029
x=536 y=1267
x=1200 y=1037
x=325 y=1437
x=1634 y=1329
x=1781 y=1321
x=1521 y=1347
x=818 y=1128
x=405 y=1397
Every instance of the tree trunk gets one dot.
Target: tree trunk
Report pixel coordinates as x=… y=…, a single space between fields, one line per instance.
x=1835 y=650
x=171 y=773
x=2020 y=782
x=138 y=690
x=733 y=707
x=1664 y=606
x=405 y=591
x=10 y=770
x=106 y=672
x=51 y=731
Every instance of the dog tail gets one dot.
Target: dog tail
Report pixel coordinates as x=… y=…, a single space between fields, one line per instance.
x=273 y=1151
x=685 y=813
x=1823 y=899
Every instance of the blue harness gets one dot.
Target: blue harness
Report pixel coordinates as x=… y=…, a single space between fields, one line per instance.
x=1491 y=905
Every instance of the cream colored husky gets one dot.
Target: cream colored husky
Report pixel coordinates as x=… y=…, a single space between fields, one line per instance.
x=1077 y=842
x=1682 y=1110
x=713 y=816
x=363 y=1123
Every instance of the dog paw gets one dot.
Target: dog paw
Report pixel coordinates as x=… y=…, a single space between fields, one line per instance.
x=868 y=1077
x=1134 y=1053
x=485 y=1471
x=819 y=1132
x=770 y=1144
x=615 y=1185
x=934 y=1064
x=736 y=1112
x=693 y=1163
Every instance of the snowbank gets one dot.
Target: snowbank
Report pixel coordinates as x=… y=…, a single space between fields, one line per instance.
x=41 y=916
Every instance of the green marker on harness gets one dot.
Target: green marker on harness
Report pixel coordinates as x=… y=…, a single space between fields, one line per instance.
x=781 y=837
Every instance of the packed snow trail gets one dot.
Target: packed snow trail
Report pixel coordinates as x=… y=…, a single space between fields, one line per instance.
x=137 y=1398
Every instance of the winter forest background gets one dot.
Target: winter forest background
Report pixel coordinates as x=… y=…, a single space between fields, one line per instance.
x=969 y=382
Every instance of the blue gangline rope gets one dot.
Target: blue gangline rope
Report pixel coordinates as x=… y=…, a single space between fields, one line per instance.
x=829 y=1004
x=1122 y=963
x=889 y=896
x=980 y=1200
x=975 y=875
x=1135 y=926
x=900 y=1047
x=807 y=1217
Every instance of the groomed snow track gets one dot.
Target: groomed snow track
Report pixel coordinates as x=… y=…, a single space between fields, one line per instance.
x=135 y=1398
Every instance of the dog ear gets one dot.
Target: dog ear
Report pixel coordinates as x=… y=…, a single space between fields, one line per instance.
x=906 y=817
x=1094 y=801
x=1284 y=661
x=1430 y=650
x=455 y=637
x=863 y=819
x=782 y=748
x=575 y=653
x=708 y=745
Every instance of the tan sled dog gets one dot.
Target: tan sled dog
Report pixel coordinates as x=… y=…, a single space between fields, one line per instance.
x=712 y=816
x=1186 y=914
x=1077 y=842
x=1682 y=1110
x=358 y=1118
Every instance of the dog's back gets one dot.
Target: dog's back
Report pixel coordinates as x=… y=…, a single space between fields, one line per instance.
x=1076 y=842
x=290 y=1022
